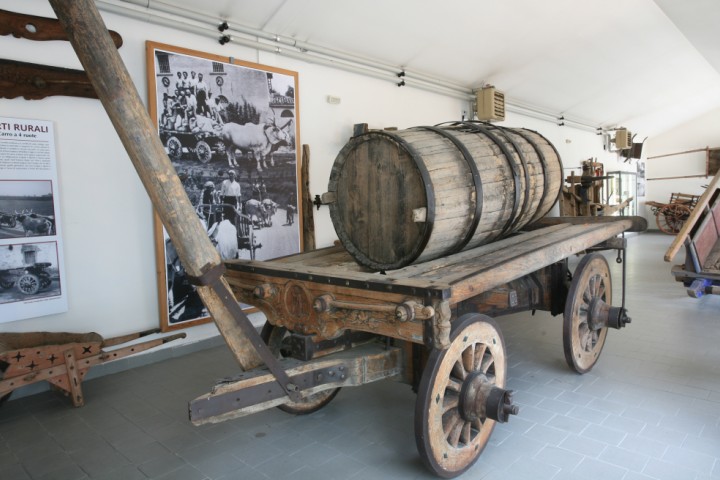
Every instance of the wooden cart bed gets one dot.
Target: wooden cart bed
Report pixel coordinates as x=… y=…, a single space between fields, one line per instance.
x=454 y=278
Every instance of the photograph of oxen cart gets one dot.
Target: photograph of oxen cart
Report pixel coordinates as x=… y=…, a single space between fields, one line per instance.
x=27 y=208
x=447 y=237
x=23 y=275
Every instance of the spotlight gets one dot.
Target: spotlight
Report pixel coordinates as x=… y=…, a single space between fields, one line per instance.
x=223 y=40
x=223 y=26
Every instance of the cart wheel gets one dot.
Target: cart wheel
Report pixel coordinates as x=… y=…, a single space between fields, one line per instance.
x=174 y=148
x=13 y=222
x=6 y=284
x=273 y=336
x=203 y=151
x=28 y=284
x=583 y=343
x=461 y=396
x=671 y=218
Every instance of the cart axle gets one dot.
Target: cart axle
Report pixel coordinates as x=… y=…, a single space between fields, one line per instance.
x=601 y=315
x=480 y=398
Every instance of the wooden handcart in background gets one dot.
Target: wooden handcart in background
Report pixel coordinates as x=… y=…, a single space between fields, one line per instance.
x=63 y=359
x=671 y=216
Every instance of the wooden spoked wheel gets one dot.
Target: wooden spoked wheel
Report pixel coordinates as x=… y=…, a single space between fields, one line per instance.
x=273 y=336
x=451 y=423
x=671 y=218
x=582 y=340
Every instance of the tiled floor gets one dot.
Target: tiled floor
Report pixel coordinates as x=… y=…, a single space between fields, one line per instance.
x=650 y=409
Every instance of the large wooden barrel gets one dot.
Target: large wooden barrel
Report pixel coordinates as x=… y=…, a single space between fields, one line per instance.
x=409 y=196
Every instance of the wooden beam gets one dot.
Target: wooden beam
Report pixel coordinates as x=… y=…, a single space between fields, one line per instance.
x=680 y=153
x=32 y=27
x=306 y=203
x=34 y=82
x=92 y=43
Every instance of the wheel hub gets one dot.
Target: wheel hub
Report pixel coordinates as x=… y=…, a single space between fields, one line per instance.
x=601 y=315
x=480 y=399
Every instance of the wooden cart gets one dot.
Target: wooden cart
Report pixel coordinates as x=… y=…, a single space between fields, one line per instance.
x=700 y=235
x=332 y=325
x=63 y=359
x=671 y=217
x=430 y=325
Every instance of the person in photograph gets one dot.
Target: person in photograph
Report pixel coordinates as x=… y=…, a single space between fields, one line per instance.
x=231 y=195
x=201 y=96
x=192 y=82
x=208 y=200
x=178 y=83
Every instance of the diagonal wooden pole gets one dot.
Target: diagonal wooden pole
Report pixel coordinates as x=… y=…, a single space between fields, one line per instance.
x=92 y=43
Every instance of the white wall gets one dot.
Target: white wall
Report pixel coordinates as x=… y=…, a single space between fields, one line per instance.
x=107 y=218
x=704 y=131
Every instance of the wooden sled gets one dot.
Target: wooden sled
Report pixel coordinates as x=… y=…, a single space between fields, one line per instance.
x=63 y=359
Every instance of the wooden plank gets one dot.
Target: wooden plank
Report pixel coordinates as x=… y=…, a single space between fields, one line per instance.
x=17 y=25
x=89 y=37
x=306 y=205
x=359 y=366
x=35 y=82
x=432 y=268
x=530 y=257
x=639 y=224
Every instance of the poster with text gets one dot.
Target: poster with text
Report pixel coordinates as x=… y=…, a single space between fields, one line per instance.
x=32 y=272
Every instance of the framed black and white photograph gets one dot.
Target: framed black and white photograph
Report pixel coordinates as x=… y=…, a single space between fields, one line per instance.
x=27 y=208
x=28 y=272
x=231 y=132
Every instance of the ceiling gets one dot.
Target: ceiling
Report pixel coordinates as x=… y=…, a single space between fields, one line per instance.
x=644 y=64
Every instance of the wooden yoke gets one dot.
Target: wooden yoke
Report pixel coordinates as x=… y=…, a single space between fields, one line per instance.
x=92 y=43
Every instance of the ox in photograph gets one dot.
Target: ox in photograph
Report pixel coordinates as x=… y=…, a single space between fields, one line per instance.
x=230 y=129
x=27 y=208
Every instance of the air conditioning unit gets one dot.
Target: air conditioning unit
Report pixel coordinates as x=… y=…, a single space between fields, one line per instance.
x=490 y=104
x=623 y=139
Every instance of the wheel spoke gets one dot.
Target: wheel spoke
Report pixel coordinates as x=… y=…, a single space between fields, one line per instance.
x=454 y=428
x=487 y=362
x=453 y=385
x=479 y=355
x=466 y=436
x=468 y=358
x=459 y=370
x=449 y=402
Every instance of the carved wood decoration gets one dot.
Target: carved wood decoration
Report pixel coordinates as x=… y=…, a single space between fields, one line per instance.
x=32 y=81
x=32 y=27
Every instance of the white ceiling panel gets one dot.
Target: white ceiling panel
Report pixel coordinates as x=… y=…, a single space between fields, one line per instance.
x=607 y=61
